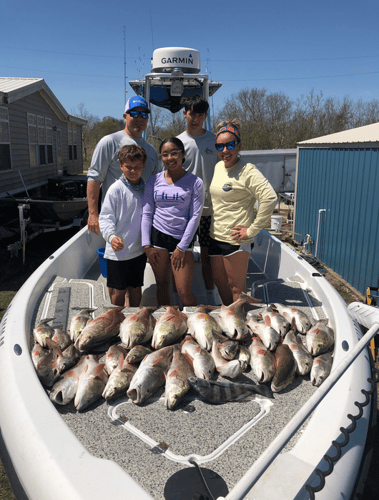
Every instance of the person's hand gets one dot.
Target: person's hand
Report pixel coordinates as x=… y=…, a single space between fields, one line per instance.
x=93 y=223
x=117 y=244
x=152 y=255
x=177 y=259
x=239 y=233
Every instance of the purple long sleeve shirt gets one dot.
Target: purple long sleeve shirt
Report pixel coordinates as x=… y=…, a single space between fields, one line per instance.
x=173 y=209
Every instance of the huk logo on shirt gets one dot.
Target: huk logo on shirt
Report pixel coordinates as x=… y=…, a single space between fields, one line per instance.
x=227 y=187
x=162 y=196
x=209 y=151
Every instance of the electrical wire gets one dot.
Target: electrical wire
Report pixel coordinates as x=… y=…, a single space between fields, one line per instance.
x=192 y=461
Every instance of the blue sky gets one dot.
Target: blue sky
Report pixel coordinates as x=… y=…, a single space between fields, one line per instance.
x=290 y=47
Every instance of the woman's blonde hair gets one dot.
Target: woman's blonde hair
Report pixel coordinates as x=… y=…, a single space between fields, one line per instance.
x=234 y=123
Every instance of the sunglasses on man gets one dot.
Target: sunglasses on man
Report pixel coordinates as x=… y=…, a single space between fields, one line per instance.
x=136 y=114
x=228 y=145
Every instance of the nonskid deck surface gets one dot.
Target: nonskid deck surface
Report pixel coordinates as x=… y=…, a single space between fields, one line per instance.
x=128 y=434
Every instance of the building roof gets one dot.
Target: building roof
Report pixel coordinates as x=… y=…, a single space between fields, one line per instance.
x=368 y=134
x=12 y=89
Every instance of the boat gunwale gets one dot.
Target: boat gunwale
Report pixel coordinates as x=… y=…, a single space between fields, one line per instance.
x=44 y=423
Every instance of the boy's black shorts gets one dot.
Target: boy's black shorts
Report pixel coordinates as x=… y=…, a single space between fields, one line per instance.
x=124 y=273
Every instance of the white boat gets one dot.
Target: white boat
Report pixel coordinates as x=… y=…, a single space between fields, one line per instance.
x=282 y=448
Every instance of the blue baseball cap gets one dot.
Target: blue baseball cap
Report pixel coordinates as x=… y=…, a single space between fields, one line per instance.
x=136 y=102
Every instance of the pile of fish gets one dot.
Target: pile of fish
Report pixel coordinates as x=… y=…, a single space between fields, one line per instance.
x=115 y=355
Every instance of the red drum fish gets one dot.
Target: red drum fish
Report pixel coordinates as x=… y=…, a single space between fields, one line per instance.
x=150 y=375
x=201 y=360
x=302 y=321
x=320 y=338
x=232 y=319
x=262 y=361
x=43 y=331
x=230 y=369
x=177 y=385
x=278 y=322
x=79 y=321
x=100 y=329
x=302 y=357
x=268 y=335
x=137 y=328
x=170 y=326
x=322 y=366
x=119 y=380
x=285 y=368
x=202 y=326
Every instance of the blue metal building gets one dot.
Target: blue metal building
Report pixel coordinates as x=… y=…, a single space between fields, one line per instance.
x=337 y=202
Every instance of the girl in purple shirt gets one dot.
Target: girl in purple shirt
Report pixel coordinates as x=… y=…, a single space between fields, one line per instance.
x=172 y=206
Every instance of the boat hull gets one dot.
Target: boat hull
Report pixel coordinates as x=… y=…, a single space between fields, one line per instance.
x=48 y=458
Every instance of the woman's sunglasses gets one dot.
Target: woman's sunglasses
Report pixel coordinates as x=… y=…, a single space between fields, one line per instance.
x=136 y=114
x=228 y=145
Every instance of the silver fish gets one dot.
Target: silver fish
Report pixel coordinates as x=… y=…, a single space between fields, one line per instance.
x=302 y=321
x=151 y=375
x=244 y=357
x=278 y=322
x=262 y=361
x=61 y=338
x=302 y=357
x=268 y=335
x=43 y=331
x=112 y=357
x=320 y=338
x=137 y=328
x=170 y=326
x=38 y=353
x=232 y=319
x=285 y=368
x=79 y=321
x=137 y=353
x=48 y=368
x=177 y=385
x=230 y=369
x=202 y=326
x=101 y=329
x=70 y=356
x=217 y=392
x=91 y=385
x=229 y=349
x=119 y=380
x=322 y=366
x=64 y=390
x=202 y=362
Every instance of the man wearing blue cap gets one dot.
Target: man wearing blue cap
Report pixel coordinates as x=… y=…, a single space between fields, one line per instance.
x=105 y=165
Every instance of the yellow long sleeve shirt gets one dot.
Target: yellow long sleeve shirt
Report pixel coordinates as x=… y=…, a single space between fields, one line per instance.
x=234 y=192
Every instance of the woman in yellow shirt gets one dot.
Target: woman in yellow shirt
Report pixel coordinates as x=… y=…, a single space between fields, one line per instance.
x=235 y=187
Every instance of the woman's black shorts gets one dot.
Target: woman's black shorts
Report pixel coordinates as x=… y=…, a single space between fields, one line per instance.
x=164 y=241
x=222 y=249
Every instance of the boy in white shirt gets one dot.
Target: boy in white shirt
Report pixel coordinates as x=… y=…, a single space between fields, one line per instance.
x=120 y=226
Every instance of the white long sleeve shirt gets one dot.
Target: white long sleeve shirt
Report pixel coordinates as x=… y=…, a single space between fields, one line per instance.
x=121 y=215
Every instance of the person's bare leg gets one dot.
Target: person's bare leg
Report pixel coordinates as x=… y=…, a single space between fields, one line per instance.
x=162 y=277
x=135 y=296
x=118 y=297
x=236 y=270
x=221 y=280
x=183 y=280
x=206 y=269
x=127 y=297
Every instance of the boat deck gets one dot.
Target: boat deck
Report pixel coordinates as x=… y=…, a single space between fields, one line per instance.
x=225 y=439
